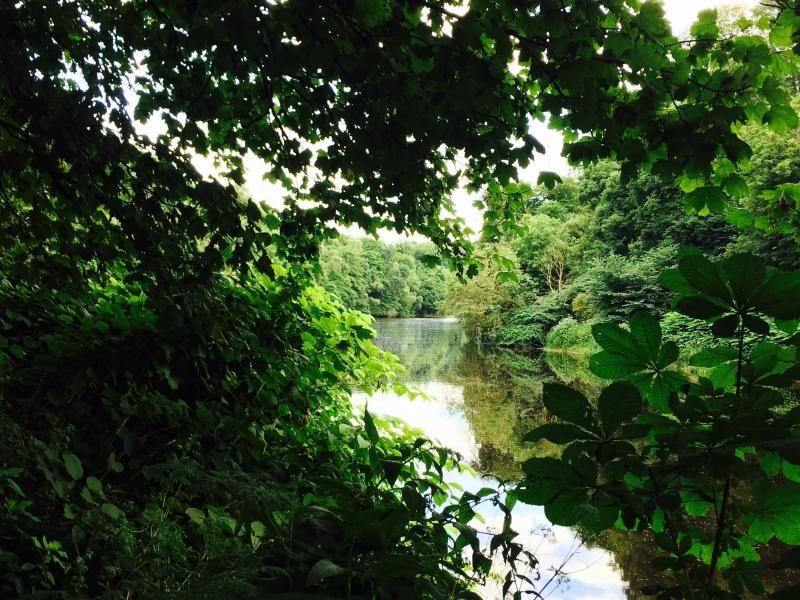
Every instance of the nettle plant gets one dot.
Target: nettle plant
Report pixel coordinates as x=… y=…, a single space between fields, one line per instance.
x=704 y=456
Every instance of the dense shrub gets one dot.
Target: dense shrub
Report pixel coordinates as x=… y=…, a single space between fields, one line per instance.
x=569 y=334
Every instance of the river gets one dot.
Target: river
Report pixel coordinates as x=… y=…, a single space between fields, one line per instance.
x=481 y=404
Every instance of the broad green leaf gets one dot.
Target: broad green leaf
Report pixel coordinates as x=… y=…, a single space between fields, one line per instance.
x=706 y=200
x=646 y=332
x=779 y=297
x=196 y=515
x=73 y=465
x=704 y=276
x=111 y=510
x=745 y=274
x=674 y=280
x=322 y=570
x=776 y=512
x=548 y=179
x=613 y=338
x=724 y=376
x=369 y=427
x=613 y=366
x=567 y=507
x=668 y=354
x=699 y=307
x=755 y=324
x=780 y=118
x=619 y=402
x=568 y=404
x=711 y=357
x=726 y=326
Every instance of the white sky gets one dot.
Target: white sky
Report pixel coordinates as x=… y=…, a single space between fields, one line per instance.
x=680 y=13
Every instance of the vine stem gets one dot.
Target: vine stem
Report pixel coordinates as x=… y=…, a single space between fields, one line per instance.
x=712 y=569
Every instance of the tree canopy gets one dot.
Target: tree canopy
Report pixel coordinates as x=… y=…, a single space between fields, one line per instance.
x=174 y=389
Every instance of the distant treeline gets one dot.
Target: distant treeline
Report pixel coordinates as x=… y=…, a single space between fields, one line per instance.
x=592 y=249
x=385 y=280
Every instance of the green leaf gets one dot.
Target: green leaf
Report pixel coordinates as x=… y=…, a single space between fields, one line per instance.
x=646 y=332
x=111 y=510
x=726 y=326
x=724 y=376
x=617 y=403
x=669 y=354
x=776 y=512
x=706 y=200
x=548 y=179
x=699 y=307
x=736 y=186
x=780 y=118
x=755 y=324
x=73 y=465
x=704 y=276
x=673 y=279
x=196 y=515
x=613 y=366
x=711 y=357
x=568 y=405
x=612 y=338
x=779 y=297
x=369 y=427
x=745 y=274
x=322 y=570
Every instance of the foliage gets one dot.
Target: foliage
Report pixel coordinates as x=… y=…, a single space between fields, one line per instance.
x=384 y=280
x=571 y=335
x=657 y=452
x=173 y=389
x=528 y=325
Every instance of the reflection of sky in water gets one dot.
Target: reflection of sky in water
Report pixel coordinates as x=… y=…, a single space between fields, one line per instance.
x=591 y=574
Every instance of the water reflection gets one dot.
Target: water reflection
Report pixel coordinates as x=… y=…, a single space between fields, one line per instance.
x=481 y=405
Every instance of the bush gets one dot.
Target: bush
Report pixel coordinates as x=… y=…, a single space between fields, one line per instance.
x=569 y=334
x=529 y=325
x=620 y=286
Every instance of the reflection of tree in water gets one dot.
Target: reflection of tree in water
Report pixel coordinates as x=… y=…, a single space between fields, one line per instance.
x=503 y=401
x=429 y=348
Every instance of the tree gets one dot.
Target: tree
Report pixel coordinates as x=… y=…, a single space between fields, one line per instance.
x=174 y=386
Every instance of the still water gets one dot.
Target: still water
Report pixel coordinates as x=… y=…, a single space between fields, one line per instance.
x=481 y=405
